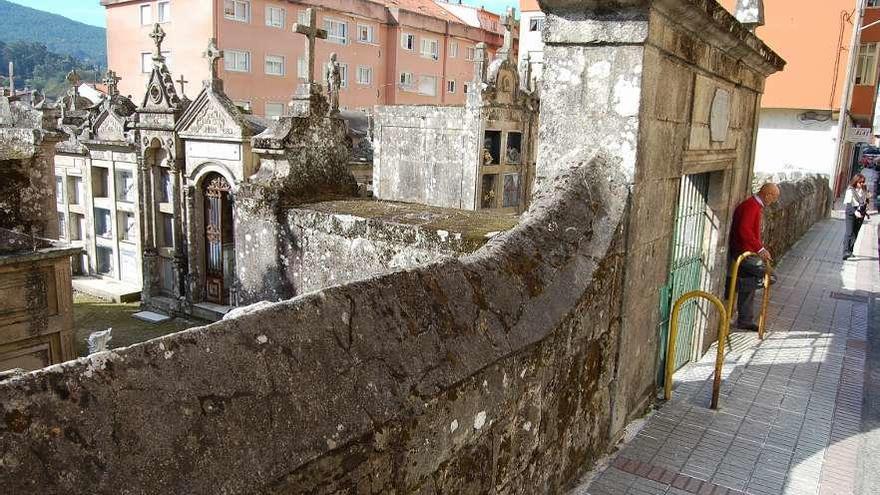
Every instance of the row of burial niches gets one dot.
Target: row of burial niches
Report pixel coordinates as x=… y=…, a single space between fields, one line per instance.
x=502 y=169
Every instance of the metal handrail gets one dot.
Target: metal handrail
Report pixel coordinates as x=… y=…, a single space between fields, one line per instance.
x=723 y=329
x=731 y=290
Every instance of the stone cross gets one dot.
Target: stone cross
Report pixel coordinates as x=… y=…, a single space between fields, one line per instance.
x=213 y=54
x=111 y=80
x=158 y=36
x=525 y=73
x=509 y=23
x=182 y=82
x=312 y=32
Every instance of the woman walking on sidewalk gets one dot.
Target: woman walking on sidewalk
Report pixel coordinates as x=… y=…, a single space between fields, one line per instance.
x=855 y=203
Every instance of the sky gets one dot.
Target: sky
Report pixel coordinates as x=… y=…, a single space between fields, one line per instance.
x=91 y=12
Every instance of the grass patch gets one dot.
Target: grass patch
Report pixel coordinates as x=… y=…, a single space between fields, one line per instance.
x=91 y=314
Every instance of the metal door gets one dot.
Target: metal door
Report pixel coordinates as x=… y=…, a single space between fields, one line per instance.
x=218 y=238
x=687 y=259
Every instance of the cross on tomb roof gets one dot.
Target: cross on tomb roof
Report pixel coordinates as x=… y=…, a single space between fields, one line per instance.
x=158 y=36
x=213 y=54
x=182 y=82
x=111 y=80
x=312 y=32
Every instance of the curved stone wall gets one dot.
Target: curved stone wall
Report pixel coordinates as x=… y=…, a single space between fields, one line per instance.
x=488 y=373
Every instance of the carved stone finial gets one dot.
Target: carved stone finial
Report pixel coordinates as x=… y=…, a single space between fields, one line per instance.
x=111 y=80
x=333 y=78
x=480 y=56
x=73 y=78
x=213 y=54
x=509 y=23
x=750 y=13
x=525 y=73
x=158 y=36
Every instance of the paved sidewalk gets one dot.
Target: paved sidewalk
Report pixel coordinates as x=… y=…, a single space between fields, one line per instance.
x=790 y=406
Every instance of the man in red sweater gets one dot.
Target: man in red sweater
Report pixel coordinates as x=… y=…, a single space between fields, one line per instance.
x=745 y=235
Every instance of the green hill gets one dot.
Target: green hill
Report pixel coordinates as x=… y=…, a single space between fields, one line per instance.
x=60 y=34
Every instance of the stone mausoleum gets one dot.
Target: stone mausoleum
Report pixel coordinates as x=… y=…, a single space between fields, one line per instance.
x=477 y=156
x=36 y=298
x=507 y=370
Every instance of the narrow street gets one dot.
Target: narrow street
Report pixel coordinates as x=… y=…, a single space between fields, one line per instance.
x=799 y=412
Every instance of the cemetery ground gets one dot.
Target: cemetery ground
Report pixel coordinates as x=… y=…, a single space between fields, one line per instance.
x=91 y=314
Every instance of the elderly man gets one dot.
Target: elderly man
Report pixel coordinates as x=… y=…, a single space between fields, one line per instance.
x=745 y=235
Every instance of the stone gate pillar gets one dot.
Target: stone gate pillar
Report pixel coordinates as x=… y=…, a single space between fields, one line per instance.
x=664 y=89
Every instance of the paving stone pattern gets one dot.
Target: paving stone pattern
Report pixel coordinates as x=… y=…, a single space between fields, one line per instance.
x=790 y=405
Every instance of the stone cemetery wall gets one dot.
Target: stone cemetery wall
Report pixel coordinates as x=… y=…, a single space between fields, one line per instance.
x=801 y=204
x=488 y=373
x=426 y=154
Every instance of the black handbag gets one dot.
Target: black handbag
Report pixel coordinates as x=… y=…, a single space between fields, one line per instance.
x=751 y=274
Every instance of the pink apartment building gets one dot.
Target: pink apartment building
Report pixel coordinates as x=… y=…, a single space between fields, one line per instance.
x=391 y=51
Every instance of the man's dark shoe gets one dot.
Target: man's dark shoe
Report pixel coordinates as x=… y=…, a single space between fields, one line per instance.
x=746 y=326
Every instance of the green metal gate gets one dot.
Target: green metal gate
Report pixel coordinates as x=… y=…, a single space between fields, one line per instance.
x=686 y=264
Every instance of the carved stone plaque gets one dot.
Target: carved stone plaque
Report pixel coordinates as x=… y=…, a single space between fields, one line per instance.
x=719 y=118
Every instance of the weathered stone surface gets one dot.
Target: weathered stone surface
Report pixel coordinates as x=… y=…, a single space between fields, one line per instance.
x=498 y=363
x=801 y=204
x=334 y=242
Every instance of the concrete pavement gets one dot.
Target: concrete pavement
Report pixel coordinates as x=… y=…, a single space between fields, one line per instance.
x=791 y=413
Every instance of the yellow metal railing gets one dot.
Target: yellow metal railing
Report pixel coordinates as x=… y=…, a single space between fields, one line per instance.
x=731 y=290
x=723 y=329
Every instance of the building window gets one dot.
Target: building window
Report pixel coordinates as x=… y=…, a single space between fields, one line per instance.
x=243 y=105
x=275 y=17
x=125 y=190
x=274 y=65
x=302 y=18
x=127 y=226
x=450 y=86
x=343 y=75
x=366 y=33
x=59 y=189
x=466 y=88
x=406 y=80
x=103 y=227
x=430 y=48
x=146 y=14
x=337 y=31
x=274 y=111
x=866 y=73
x=536 y=23
x=302 y=68
x=237 y=61
x=408 y=41
x=453 y=49
x=364 y=75
x=237 y=10
x=163 y=12
x=428 y=85
x=470 y=53
x=873 y=3
x=62 y=225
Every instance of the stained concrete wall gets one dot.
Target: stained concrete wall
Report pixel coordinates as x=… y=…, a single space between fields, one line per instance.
x=427 y=155
x=489 y=373
x=801 y=204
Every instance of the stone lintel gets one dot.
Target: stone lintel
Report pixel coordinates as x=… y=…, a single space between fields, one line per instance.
x=597 y=22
